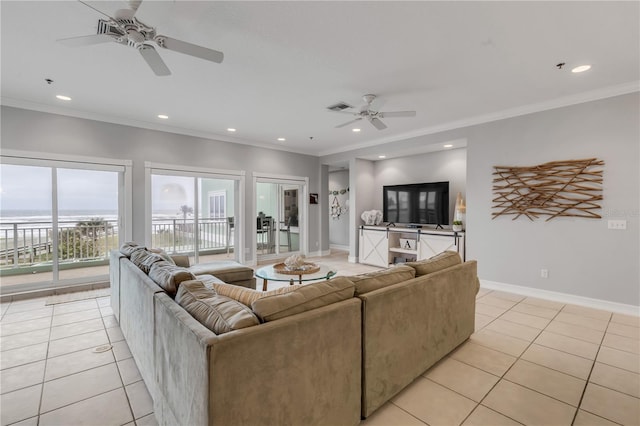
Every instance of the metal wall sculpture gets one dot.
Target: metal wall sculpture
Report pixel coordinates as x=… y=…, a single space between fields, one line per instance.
x=571 y=188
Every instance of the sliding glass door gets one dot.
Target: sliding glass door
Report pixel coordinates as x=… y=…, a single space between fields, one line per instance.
x=194 y=214
x=58 y=222
x=279 y=217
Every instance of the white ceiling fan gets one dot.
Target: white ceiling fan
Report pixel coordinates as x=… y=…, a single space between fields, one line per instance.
x=373 y=116
x=126 y=29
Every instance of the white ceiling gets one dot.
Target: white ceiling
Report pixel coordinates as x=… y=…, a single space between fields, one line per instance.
x=453 y=62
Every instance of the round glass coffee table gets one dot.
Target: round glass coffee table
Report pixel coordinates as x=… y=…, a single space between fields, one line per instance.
x=269 y=273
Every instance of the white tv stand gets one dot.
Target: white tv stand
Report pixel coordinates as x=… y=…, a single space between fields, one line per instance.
x=382 y=246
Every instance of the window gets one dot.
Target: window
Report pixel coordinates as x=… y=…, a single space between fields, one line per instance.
x=193 y=211
x=59 y=219
x=218 y=205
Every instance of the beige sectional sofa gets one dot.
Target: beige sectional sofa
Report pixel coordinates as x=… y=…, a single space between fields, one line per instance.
x=299 y=364
x=412 y=316
x=327 y=353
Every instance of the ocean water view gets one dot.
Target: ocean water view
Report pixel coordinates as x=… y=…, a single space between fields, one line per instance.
x=30 y=216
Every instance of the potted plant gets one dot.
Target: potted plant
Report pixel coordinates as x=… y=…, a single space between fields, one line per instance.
x=457 y=225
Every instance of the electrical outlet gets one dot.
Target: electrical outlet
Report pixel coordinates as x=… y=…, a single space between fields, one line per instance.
x=544 y=273
x=617 y=224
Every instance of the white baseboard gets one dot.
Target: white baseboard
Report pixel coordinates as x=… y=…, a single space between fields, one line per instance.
x=605 y=305
x=338 y=247
x=352 y=259
x=319 y=253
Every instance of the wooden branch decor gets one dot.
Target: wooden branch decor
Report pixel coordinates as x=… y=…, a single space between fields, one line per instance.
x=571 y=188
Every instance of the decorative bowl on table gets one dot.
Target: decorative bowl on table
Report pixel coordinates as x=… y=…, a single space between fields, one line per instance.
x=295 y=265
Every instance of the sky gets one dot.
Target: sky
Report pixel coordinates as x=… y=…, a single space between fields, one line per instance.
x=29 y=188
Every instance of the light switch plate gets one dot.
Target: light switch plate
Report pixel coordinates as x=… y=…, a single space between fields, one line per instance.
x=617 y=224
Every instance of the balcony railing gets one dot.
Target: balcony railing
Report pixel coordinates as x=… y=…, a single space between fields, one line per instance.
x=29 y=244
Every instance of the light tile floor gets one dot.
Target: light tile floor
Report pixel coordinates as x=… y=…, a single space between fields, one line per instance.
x=531 y=361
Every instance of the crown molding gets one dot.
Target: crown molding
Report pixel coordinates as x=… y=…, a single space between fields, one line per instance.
x=593 y=95
x=603 y=93
x=70 y=112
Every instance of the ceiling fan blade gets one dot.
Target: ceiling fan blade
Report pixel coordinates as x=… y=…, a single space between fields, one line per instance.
x=189 y=49
x=348 y=122
x=154 y=60
x=134 y=4
x=377 y=123
x=397 y=114
x=86 y=40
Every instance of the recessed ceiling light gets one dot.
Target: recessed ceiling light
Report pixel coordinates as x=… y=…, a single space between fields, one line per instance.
x=162 y=116
x=63 y=98
x=231 y=129
x=581 y=68
x=382 y=156
x=448 y=145
x=281 y=139
x=355 y=130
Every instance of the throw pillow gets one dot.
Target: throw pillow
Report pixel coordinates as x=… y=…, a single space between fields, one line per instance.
x=436 y=263
x=379 y=279
x=128 y=248
x=219 y=314
x=169 y=276
x=247 y=296
x=144 y=259
x=163 y=254
x=304 y=298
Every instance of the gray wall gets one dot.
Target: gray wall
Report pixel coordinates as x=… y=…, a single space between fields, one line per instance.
x=361 y=182
x=441 y=166
x=27 y=130
x=583 y=257
x=339 y=227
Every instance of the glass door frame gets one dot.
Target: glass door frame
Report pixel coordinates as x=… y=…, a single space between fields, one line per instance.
x=303 y=210
x=238 y=176
x=62 y=161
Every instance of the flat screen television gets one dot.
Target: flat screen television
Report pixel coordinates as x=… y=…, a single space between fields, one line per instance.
x=416 y=204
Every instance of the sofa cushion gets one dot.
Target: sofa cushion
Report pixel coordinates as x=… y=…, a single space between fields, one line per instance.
x=128 y=248
x=227 y=270
x=144 y=259
x=219 y=314
x=379 y=279
x=247 y=296
x=169 y=276
x=436 y=263
x=304 y=298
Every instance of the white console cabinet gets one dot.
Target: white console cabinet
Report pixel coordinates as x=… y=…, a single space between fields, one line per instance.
x=383 y=246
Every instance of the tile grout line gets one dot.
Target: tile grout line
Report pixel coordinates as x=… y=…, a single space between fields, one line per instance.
x=124 y=387
x=502 y=377
x=44 y=372
x=589 y=375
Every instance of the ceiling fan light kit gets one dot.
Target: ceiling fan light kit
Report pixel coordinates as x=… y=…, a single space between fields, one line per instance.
x=126 y=29
x=366 y=112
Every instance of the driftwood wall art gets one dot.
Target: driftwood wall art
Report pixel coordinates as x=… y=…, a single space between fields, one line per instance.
x=560 y=188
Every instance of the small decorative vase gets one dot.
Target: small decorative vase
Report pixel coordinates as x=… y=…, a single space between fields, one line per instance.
x=457 y=228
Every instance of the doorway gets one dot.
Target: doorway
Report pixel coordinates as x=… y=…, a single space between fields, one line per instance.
x=279 y=217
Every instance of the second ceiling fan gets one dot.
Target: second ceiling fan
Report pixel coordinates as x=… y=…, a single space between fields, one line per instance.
x=374 y=116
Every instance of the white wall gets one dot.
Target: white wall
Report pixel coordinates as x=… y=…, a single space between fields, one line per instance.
x=339 y=227
x=442 y=166
x=583 y=257
x=27 y=130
